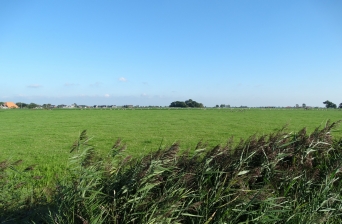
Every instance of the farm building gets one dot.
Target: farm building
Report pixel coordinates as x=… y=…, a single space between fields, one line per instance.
x=10 y=105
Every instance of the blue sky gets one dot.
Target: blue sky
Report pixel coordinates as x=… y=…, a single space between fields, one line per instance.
x=254 y=53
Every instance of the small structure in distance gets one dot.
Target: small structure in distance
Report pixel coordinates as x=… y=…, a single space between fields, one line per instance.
x=10 y=105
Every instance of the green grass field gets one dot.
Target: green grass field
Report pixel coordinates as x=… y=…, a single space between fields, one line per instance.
x=44 y=137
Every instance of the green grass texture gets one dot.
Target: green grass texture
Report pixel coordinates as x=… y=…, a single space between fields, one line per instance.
x=44 y=137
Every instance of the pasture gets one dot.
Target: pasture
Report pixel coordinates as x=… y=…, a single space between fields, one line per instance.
x=44 y=137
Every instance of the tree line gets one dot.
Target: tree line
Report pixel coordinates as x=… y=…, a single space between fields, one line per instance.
x=184 y=104
x=187 y=103
x=329 y=104
x=29 y=105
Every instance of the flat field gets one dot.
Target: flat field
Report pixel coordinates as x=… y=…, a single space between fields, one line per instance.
x=44 y=137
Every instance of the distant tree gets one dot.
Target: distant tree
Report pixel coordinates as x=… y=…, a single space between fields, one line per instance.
x=192 y=103
x=187 y=103
x=32 y=105
x=329 y=104
x=1 y=103
x=21 y=105
x=223 y=105
x=178 y=104
x=217 y=105
x=340 y=106
x=46 y=105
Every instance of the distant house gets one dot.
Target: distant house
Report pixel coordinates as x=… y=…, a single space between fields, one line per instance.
x=3 y=107
x=10 y=105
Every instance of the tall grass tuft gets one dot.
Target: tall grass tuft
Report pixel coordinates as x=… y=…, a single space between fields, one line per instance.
x=20 y=198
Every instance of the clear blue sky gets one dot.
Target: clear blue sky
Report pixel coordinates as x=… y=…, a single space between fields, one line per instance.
x=254 y=53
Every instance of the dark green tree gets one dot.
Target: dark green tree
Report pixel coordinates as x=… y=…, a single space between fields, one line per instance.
x=340 y=106
x=46 y=106
x=192 y=103
x=32 y=105
x=187 y=103
x=178 y=104
x=329 y=104
x=21 y=105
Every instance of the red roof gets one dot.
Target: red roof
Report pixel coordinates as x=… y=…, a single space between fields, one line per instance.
x=10 y=105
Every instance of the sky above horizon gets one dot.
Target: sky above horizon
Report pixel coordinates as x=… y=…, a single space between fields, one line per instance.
x=251 y=53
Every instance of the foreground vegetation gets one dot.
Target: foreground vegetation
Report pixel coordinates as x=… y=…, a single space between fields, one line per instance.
x=276 y=178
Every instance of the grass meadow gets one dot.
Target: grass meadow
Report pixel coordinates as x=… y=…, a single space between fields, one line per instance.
x=47 y=133
x=42 y=139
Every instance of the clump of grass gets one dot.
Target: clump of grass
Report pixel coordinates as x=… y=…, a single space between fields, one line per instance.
x=20 y=197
